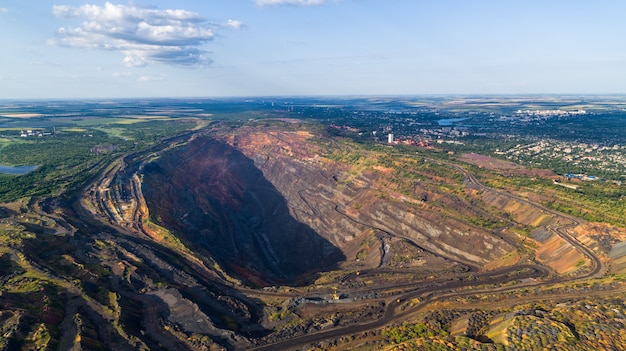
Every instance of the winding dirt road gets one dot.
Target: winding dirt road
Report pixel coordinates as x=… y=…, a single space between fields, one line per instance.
x=395 y=310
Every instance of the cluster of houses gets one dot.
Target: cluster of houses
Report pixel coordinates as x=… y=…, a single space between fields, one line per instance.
x=551 y=112
x=33 y=133
x=391 y=139
x=580 y=177
x=571 y=176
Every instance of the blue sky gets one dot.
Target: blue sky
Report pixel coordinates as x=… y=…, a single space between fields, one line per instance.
x=186 y=48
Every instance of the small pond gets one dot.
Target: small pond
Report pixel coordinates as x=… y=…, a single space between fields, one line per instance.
x=17 y=170
x=449 y=121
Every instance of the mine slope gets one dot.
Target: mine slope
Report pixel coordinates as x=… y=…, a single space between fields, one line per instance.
x=348 y=206
x=268 y=211
x=216 y=200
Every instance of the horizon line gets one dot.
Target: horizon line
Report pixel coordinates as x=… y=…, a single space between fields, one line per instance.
x=320 y=96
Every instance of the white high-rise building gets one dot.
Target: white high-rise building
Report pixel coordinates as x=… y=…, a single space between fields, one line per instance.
x=390 y=138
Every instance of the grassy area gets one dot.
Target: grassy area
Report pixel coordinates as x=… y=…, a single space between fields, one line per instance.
x=15 y=129
x=72 y=155
x=114 y=132
x=74 y=130
x=98 y=121
x=592 y=201
x=498 y=327
x=4 y=142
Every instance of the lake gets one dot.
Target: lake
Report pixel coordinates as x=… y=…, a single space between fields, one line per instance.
x=18 y=170
x=449 y=121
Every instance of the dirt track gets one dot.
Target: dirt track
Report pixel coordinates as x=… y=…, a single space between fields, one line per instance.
x=394 y=313
x=395 y=309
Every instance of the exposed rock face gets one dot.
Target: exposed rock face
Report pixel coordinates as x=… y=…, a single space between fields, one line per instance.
x=346 y=208
x=269 y=207
x=214 y=197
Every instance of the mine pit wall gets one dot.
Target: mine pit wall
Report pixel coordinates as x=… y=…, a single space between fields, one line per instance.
x=214 y=198
x=618 y=255
x=475 y=247
x=458 y=243
x=325 y=203
x=607 y=241
x=312 y=198
x=521 y=212
x=552 y=250
x=557 y=253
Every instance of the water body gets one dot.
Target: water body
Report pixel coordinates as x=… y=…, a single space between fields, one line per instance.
x=18 y=170
x=450 y=121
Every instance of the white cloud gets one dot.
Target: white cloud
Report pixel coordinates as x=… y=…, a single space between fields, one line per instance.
x=4 y=10
x=289 y=2
x=143 y=35
x=233 y=24
x=151 y=78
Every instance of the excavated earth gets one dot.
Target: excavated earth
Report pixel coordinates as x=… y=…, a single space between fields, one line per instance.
x=159 y=244
x=349 y=207
x=215 y=198
x=269 y=209
x=269 y=206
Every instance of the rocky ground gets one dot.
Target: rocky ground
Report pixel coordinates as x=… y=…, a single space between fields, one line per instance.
x=236 y=239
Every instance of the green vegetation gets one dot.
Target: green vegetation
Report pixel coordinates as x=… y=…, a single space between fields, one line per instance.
x=63 y=161
x=67 y=159
x=406 y=332
x=592 y=201
x=570 y=325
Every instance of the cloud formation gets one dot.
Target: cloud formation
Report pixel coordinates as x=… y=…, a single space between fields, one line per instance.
x=289 y=2
x=143 y=35
x=151 y=78
x=233 y=24
x=4 y=10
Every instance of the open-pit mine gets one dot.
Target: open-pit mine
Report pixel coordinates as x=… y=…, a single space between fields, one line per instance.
x=276 y=235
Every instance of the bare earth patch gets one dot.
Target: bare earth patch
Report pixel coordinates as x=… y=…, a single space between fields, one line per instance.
x=504 y=167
